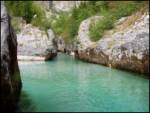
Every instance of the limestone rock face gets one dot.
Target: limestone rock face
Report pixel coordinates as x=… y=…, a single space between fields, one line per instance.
x=34 y=42
x=83 y=33
x=125 y=49
x=58 y=6
x=65 y=47
x=10 y=75
x=65 y=5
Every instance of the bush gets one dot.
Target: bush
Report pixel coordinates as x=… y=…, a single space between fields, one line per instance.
x=15 y=8
x=21 y=9
x=38 y=16
x=27 y=10
x=102 y=5
x=125 y=9
x=97 y=29
x=16 y=24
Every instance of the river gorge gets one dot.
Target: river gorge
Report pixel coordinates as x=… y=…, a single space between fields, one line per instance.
x=79 y=56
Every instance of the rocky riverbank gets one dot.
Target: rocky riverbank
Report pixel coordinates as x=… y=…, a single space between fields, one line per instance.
x=123 y=49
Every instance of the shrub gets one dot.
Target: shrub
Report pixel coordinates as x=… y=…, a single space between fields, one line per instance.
x=16 y=24
x=125 y=9
x=30 y=12
x=15 y=8
x=38 y=15
x=20 y=9
x=97 y=29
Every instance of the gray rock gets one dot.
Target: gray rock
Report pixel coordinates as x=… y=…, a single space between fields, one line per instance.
x=34 y=42
x=65 y=6
x=66 y=47
x=10 y=74
x=83 y=33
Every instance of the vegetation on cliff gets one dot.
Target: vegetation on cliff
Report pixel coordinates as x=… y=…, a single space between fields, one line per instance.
x=70 y=22
x=28 y=11
x=66 y=24
x=112 y=13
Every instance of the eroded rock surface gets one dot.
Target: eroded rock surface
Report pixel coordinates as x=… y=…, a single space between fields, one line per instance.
x=34 y=42
x=10 y=75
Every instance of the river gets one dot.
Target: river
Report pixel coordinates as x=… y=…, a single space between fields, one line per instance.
x=68 y=84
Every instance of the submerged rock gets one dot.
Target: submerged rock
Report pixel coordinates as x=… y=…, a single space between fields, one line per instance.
x=126 y=49
x=10 y=75
x=34 y=42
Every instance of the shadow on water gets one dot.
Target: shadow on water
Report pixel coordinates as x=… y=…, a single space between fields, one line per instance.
x=25 y=104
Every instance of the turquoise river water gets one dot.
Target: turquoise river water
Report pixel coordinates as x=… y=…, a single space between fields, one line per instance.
x=67 y=84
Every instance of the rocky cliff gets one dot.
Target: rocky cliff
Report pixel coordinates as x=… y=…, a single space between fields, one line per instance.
x=10 y=75
x=125 y=48
x=34 y=42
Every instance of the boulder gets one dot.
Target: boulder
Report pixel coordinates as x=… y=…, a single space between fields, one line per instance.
x=10 y=75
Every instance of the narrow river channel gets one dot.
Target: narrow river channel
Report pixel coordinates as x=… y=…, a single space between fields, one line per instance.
x=67 y=84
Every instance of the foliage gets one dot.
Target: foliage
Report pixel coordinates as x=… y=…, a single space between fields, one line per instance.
x=21 y=9
x=29 y=11
x=97 y=29
x=16 y=24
